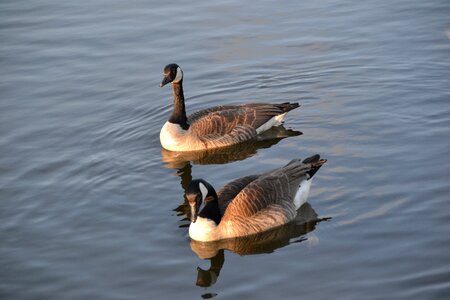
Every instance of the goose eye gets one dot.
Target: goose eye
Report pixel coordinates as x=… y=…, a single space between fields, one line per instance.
x=209 y=198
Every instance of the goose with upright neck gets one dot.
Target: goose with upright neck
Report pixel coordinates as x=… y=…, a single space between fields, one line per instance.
x=218 y=126
x=251 y=204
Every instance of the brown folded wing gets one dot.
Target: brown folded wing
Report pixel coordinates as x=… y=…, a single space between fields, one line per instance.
x=267 y=201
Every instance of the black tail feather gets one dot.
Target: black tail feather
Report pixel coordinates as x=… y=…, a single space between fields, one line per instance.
x=288 y=106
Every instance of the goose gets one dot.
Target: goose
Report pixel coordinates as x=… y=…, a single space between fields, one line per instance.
x=264 y=242
x=250 y=204
x=218 y=126
x=177 y=160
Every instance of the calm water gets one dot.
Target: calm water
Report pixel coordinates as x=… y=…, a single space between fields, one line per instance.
x=92 y=208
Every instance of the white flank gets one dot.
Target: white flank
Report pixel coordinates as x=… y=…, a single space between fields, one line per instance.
x=203 y=230
x=172 y=136
x=302 y=193
x=275 y=121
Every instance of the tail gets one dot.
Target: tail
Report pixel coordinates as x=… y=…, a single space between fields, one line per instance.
x=316 y=162
x=312 y=164
x=297 y=168
x=287 y=106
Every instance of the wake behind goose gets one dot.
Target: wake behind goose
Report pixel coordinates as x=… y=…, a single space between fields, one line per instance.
x=218 y=126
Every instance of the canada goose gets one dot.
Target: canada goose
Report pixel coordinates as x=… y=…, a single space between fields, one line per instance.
x=218 y=126
x=263 y=242
x=176 y=160
x=250 y=204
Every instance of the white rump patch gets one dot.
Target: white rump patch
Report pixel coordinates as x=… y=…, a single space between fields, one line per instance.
x=275 y=121
x=179 y=75
x=302 y=193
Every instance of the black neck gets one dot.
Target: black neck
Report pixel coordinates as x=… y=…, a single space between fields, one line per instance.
x=179 y=112
x=211 y=211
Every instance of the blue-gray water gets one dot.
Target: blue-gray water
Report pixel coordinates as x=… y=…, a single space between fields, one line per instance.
x=91 y=208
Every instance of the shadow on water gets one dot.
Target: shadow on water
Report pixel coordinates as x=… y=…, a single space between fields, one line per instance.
x=266 y=242
x=178 y=160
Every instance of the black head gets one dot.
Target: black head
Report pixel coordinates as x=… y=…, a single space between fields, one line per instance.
x=202 y=199
x=172 y=73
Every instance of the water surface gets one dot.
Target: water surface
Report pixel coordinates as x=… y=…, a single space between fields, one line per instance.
x=92 y=208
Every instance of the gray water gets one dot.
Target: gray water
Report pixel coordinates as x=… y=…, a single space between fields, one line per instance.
x=92 y=208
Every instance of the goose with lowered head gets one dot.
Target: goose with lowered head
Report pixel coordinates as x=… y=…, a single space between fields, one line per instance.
x=218 y=126
x=250 y=204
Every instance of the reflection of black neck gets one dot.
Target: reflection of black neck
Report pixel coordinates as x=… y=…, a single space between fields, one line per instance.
x=211 y=210
x=179 y=113
x=208 y=278
x=185 y=174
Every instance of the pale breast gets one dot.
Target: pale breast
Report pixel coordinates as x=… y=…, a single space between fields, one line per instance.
x=175 y=138
x=172 y=136
x=204 y=230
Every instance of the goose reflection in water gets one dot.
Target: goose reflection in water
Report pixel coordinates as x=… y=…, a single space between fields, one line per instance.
x=178 y=160
x=265 y=242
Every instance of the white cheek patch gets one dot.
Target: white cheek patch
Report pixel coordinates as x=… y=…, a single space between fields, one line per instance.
x=179 y=75
x=203 y=190
x=202 y=206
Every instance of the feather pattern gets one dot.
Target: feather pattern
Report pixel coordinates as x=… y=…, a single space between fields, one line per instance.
x=227 y=193
x=218 y=126
x=223 y=126
x=256 y=203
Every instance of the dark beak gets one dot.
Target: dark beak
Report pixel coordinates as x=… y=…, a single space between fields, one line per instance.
x=165 y=81
x=193 y=212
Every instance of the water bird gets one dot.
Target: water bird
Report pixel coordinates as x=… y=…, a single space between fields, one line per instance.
x=177 y=159
x=250 y=204
x=218 y=126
